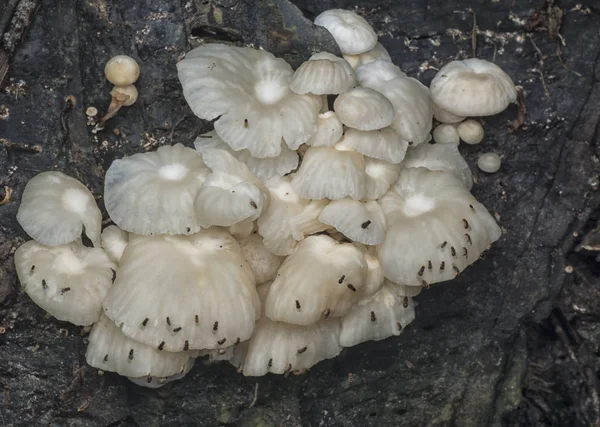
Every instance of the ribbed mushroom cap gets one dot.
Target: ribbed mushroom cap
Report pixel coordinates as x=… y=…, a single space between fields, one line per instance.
x=364 y=109
x=263 y=168
x=184 y=292
x=288 y=218
x=472 y=87
x=323 y=74
x=440 y=157
x=436 y=210
x=330 y=173
x=110 y=350
x=378 y=317
x=329 y=130
x=412 y=103
x=247 y=91
x=231 y=193
x=264 y=264
x=383 y=144
x=153 y=193
x=279 y=348
x=353 y=34
x=362 y=222
x=377 y=53
x=55 y=209
x=377 y=73
x=114 y=240
x=68 y=281
x=321 y=278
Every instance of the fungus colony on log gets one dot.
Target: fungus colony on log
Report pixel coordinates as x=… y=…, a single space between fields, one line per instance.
x=289 y=231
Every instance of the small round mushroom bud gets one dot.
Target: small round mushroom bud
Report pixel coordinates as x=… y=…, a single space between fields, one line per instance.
x=446 y=134
x=122 y=70
x=489 y=162
x=470 y=131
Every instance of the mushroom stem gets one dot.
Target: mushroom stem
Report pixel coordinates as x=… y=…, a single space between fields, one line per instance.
x=7 y=194
x=118 y=100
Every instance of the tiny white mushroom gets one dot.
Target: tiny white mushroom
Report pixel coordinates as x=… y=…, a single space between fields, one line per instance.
x=55 y=209
x=353 y=34
x=470 y=131
x=472 y=87
x=122 y=70
x=489 y=162
x=446 y=134
x=364 y=109
x=323 y=74
x=384 y=144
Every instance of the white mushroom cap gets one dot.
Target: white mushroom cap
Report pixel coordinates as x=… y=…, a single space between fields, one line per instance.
x=489 y=162
x=330 y=173
x=128 y=93
x=288 y=217
x=264 y=168
x=443 y=116
x=279 y=348
x=323 y=74
x=110 y=350
x=157 y=382
x=440 y=157
x=153 y=193
x=353 y=34
x=412 y=102
x=329 y=130
x=122 y=70
x=446 y=134
x=450 y=228
x=55 y=209
x=403 y=290
x=377 y=73
x=470 y=131
x=231 y=193
x=68 y=281
x=384 y=144
x=114 y=240
x=380 y=175
x=176 y=293
x=247 y=91
x=377 y=53
x=321 y=278
x=472 y=87
x=263 y=263
x=242 y=229
x=362 y=222
x=364 y=109
x=381 y=316
x=375 y=277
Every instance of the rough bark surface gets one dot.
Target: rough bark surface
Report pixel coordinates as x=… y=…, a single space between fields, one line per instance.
x=513 y=340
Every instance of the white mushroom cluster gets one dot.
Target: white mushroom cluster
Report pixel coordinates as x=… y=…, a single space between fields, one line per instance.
x=290 y=232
